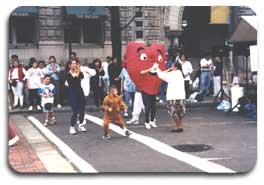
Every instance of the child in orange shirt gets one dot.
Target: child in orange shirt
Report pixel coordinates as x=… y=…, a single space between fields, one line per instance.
x=113 y=104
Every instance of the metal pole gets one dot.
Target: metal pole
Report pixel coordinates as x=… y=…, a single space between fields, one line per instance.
x=246 y=70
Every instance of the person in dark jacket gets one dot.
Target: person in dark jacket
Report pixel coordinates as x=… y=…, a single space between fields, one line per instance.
x=76 y=95
x=114 y=70
x=97 y=83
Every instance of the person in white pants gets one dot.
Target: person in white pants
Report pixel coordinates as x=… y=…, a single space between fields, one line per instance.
x=137 y=108
x=15 y=78
x=217 y=75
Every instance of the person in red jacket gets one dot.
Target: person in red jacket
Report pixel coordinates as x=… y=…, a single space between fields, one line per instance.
x=16 y=80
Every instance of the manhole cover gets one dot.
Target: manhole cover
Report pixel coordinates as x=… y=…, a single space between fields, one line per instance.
x=193 y=148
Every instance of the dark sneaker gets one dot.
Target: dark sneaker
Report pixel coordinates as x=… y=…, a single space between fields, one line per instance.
x=179 y=130
x=128 y=133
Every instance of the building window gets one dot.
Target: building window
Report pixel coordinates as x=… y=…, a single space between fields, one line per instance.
x=93 y=31
x=139 y=34
x=73 y=32
x=139 y=23
x=137 y=12
x=84 y=31
x=22 y=30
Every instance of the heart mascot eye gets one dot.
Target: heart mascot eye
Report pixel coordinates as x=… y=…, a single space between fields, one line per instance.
x=160 y=58
x=143 y=56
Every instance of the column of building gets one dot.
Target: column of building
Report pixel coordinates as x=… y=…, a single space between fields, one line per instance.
x=51 y=33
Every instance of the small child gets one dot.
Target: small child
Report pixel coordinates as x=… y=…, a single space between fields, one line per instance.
x=112 y=105
x=47 y=92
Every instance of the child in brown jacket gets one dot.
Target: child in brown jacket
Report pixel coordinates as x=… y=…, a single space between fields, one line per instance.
x=113 y=104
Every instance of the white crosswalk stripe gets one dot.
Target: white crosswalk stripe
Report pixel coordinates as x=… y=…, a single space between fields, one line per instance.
x=197 y=162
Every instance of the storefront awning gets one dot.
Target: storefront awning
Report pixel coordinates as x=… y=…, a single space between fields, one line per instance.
x=86 y=12
x=246 y=30
x=25 y=11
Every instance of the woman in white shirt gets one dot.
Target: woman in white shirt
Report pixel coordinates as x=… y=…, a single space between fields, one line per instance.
x=187 y=70
x=175 y=93
x=16 y=80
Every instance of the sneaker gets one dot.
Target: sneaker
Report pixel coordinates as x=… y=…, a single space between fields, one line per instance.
x=178 y=130
x=72 y=131
x=161 y=101
x=81 y=128
x=106 y=137
x=125 y=114
x=13 y=141
x=53 y=121
x=59 y=106
x=46 y=123
x=153 y=124
x=38 y=107
x=128 y=133
x=132 y=121
x=147 y=126
x=30 y=108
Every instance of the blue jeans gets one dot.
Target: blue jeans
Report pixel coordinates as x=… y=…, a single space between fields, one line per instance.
x=77 y=101
x=106 y=85
x=128 y=96
x=205 y=82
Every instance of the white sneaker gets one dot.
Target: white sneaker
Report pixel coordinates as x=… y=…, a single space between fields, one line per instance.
x=125 y=114
x=161 y=101
x=38 y=107
x=147 y=126
x=153 y=124
x=30 y=108
x=59 y=106
x=53 y=121
x=106 y=137
x=81 y=128
x=132 y=121
x=72 y=130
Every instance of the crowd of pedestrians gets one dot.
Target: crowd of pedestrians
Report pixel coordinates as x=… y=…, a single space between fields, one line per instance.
x=43 y=86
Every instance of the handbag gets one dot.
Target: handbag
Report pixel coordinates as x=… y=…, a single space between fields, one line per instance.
x=14 y=83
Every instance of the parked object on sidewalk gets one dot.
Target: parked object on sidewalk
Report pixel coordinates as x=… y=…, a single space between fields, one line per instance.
x=224 y=105
x=12 y=136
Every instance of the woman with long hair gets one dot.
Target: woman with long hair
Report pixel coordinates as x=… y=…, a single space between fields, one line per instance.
x=76 y=95
x=97 y=83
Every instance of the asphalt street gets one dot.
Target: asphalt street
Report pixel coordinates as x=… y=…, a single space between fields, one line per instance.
x=230 y=142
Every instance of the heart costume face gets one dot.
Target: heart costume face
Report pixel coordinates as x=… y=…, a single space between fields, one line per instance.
x=138 y=58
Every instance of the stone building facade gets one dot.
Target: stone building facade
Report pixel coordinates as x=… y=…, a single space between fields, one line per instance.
x=49 y=26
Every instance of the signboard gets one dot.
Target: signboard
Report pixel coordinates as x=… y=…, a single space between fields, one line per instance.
x=220 y=15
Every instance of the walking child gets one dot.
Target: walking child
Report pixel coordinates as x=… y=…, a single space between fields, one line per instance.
x=113 y=104
x=47 y=92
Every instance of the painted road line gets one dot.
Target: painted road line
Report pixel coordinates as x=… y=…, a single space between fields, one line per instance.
x=81 y=164
x=197 y=162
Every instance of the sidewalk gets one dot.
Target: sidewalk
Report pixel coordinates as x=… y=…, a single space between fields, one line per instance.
x=22 y=157
x=33 y=153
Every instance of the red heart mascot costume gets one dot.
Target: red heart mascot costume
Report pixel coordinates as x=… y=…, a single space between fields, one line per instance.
x=140 y=64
